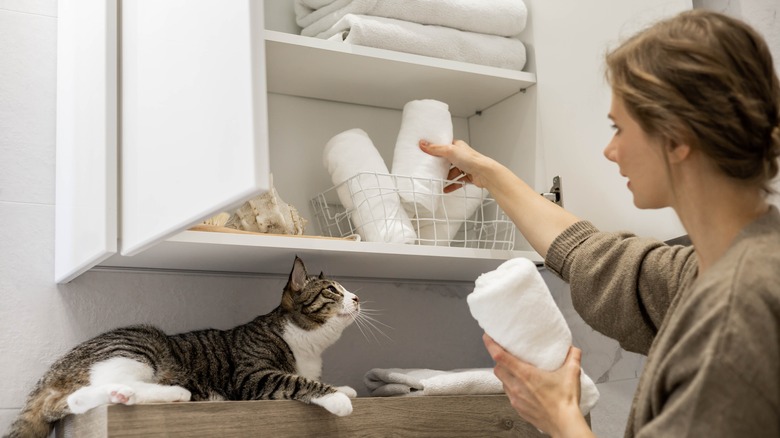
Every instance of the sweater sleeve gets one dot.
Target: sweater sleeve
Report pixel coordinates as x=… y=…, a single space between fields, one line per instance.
x=621 y=285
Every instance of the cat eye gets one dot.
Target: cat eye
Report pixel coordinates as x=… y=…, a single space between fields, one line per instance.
x=334 y=293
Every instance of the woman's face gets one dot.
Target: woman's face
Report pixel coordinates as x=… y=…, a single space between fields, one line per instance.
x=639 y=157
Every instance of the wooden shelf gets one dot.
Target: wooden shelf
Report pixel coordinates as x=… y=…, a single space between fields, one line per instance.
x=331 y=70
x=445 y=416
x=266 y=254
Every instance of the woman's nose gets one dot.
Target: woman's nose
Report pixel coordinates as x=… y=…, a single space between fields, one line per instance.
x=609 y=152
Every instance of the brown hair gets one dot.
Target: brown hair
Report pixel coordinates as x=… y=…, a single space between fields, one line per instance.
x=706 y=80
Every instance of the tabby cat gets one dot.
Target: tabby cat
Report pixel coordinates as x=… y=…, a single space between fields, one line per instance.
x=275 y=356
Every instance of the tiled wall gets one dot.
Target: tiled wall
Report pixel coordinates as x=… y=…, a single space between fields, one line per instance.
x=39 y=320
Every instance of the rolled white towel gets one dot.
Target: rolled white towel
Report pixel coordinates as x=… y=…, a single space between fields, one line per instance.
x=514 y=307
x=422 y=119
x=365 y=188
x=492 y=17
x=435 y=41
x=453 y=210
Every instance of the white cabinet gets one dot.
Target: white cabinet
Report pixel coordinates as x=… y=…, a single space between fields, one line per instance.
x=194 y=136
x=212 y=101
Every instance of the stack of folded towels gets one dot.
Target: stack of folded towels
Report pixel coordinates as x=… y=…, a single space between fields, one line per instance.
x=476 y=31
x=406 y=204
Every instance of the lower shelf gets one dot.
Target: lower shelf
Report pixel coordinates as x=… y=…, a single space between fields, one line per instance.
x=443 y=416
x=271 y=254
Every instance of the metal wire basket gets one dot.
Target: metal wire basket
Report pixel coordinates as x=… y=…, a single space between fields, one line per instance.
x=400 y=209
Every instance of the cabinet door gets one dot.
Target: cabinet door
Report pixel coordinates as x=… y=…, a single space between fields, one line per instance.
x=570 y=39
x=194 y=137
x=86 y=195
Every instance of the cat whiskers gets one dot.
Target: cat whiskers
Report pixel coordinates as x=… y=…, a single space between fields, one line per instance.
x=368 y=324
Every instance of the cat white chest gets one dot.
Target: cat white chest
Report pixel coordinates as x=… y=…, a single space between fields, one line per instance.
x=307 y=346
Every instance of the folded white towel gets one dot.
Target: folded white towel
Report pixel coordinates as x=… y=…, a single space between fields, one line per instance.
x=454 y=208
x=434 y=41
x=422 y=119
x=365 y=188
x=384 y=382
x=492 y=17
x=316 y=4
x=513 y=306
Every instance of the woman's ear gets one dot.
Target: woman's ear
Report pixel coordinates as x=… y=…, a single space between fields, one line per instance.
x=677 y=152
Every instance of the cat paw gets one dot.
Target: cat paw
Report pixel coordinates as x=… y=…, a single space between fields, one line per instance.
x=180 y=394
x=81 y=401
x=347 y=390
x=336 y=403
x=122 y=394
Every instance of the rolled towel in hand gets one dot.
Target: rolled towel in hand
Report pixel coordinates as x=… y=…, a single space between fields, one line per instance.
x=365 y=189
x=454 y=208
x=514 y=307
x=430 y=120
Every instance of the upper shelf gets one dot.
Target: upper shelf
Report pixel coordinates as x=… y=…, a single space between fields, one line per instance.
x=331 y=70
x=266 y=254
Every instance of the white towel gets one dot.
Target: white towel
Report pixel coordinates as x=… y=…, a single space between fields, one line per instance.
x=385 y=382
x=435 y=41
x=513 y=306
x=365 y=188
x=455 y=207
x=422 y=119
x=493 y=17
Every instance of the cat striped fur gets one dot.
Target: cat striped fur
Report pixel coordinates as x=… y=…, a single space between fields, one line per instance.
x=275 y=356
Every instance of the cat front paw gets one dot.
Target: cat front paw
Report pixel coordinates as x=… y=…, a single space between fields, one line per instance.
x=336 y=403
x=347 y=390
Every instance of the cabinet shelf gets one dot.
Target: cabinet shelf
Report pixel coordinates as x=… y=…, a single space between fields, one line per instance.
x=335 y=71
x=265 y=254
x=435 y=416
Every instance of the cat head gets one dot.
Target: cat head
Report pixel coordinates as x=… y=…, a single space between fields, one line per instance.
x=313 y=301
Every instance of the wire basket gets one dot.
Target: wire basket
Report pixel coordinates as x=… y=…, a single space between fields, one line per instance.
x=400 y=209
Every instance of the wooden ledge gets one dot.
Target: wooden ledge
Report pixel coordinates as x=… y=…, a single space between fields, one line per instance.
x=443 y=416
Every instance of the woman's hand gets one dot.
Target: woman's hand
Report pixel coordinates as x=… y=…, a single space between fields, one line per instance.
x=540 y=220
x=547 y=399
x=468 y=165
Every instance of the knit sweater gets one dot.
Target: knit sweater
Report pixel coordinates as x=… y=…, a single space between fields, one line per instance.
x=712 y=340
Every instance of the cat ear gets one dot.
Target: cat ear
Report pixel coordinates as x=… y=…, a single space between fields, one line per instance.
x=298 y=276
x=322 y=276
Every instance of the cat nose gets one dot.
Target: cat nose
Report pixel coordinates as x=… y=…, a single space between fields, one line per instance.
x=356 y=299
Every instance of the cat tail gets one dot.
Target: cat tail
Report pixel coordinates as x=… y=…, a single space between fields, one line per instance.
x=43 y=408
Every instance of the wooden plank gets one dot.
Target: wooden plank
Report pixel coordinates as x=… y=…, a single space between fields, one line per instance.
x=444 y=416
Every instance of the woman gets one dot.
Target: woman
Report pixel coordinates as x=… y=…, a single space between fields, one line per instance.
x=695 y=111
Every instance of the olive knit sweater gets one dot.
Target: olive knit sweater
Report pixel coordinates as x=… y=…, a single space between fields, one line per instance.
x=713 y=341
